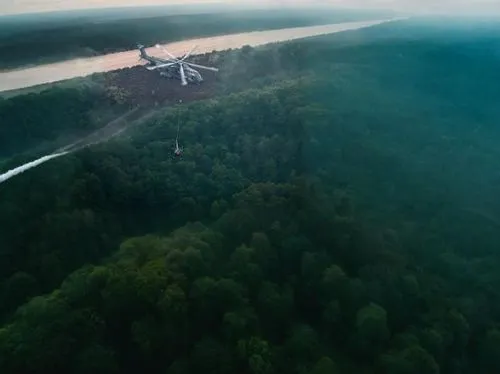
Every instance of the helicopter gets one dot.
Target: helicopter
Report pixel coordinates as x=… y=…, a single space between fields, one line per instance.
x=172 y=67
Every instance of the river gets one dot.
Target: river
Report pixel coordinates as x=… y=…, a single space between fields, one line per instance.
x=59 y=71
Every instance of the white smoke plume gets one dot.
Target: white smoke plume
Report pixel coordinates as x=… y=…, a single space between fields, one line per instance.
x=29 y=165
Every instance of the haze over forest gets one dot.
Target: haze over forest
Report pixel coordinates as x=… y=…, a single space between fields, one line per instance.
x=334 y=209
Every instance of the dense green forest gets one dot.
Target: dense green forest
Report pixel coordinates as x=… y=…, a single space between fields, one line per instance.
x=335 y=211
x=83 y=37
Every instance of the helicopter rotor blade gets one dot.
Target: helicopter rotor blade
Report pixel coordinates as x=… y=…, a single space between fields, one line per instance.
x=189 y=53
x=167 y=52
x=160 y=66
x=183 y=75
x=201 y=66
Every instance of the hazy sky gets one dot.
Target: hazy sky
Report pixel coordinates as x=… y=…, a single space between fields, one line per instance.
x=462 y=6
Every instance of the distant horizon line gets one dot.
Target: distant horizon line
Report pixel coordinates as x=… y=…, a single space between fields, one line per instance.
x=229 y=7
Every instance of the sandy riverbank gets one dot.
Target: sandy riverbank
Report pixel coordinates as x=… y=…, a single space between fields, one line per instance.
x=23 y=78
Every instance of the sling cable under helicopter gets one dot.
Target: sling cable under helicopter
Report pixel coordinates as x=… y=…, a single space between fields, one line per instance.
x=178 y=150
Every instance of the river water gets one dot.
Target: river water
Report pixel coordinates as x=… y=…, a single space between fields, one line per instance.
x=59 y=71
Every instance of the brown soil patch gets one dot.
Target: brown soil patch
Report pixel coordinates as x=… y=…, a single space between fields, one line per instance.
x=139 y=86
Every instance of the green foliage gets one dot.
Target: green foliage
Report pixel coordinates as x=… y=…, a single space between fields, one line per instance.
x=302 y=344
x=325 y=365
x=489 y=352
x=210 y=356
x=256 y=354
x=371 y=329
x=313 y=225
x=95 y=359
x=17 y=289
x=412 y=360
x=84 y=207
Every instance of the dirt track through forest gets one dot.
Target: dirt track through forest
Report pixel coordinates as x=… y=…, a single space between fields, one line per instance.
x=111 y=130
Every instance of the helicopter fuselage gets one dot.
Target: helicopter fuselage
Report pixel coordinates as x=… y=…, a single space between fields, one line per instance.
x=173 y=72
x=174 y=67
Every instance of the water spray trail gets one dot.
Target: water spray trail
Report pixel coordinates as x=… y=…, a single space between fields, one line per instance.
x=21 y=169
x=30 y=165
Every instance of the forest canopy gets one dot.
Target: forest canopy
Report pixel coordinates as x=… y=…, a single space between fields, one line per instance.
x=329 y=215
